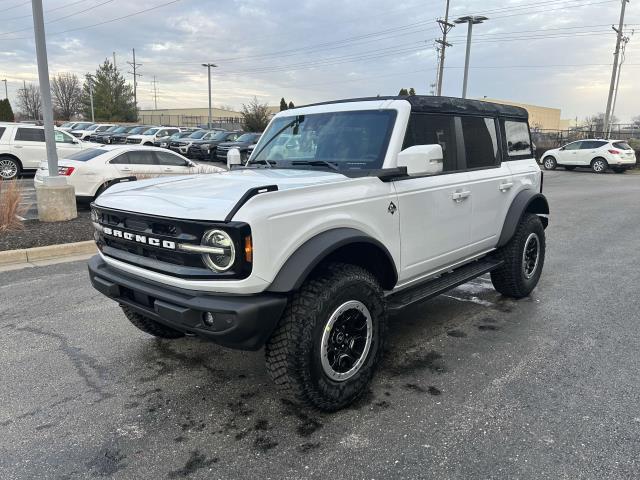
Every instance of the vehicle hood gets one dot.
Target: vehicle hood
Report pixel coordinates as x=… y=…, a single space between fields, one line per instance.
x=206 y=197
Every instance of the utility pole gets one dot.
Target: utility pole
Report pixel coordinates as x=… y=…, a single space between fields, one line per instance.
x=470 y=20
x=6 y=92
x=445 y=26
x=56 y=199
x=209 y=65
x=155 y=92
x=114 y=60
x=616 y=55
x=134 y=66
x=90 y=80
x=625 y=40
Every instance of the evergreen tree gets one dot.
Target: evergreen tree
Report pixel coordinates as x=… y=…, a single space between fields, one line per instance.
x=6 y=112
x=403 y=92
x=112 y=96
x=291 y=105
x=283 y=104
x=412 y=91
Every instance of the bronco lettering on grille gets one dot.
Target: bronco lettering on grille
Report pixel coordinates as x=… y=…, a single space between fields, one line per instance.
x=154 y=242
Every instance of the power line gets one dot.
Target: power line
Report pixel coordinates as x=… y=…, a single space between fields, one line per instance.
x=46 y=11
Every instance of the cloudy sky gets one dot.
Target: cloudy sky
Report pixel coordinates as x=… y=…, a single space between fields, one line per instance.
x=553 y=53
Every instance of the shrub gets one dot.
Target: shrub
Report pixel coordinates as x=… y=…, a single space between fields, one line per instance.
x=10 y=207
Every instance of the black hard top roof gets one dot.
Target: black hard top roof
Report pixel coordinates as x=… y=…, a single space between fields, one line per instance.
x=434 y=104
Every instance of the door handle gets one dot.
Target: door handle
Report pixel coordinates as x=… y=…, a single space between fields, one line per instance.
x=505 y=186
x=125 y=169
x=461 y=195
x=17 y=146
x=168 y=169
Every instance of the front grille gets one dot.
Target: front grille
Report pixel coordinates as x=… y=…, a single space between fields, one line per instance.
x=133 y=140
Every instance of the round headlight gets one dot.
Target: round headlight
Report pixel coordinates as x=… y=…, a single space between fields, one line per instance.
x=223 y=260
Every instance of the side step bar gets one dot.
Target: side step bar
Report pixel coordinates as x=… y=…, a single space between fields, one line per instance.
x=435 y=286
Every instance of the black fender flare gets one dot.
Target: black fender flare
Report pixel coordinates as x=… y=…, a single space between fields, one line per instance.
x=525 y=201
x=309 y=255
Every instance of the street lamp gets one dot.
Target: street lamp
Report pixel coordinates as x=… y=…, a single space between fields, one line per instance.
x=209 y=65
x=470 y=20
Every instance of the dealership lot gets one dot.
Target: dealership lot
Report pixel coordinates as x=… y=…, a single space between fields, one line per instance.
x=473 y=385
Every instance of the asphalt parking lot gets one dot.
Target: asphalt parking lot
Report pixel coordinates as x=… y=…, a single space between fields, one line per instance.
x=473 y=385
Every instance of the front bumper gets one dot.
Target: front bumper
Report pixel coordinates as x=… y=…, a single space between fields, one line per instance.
x=243 y=322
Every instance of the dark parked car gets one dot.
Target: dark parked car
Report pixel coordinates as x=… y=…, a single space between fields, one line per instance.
x=122 y=137
x=205 y=148
x=242 y=143
x=97 y=132
x=182 y=145
x=164 y=142
x=107 y=137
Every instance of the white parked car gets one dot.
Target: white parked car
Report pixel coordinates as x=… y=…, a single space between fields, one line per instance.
x=85 y=133
x=378 y=204
x=595 y=154
x=22 y=147
x=68 y=126
x=94 y=170
x=151 y=135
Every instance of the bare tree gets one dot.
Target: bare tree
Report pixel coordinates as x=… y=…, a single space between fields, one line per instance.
x=67 y=95
x=29 y=101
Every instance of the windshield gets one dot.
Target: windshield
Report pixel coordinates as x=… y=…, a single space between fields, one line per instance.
x=347 y=140
x=112 y=129
x=83 y=125
x=248 y=137
x=151 y=131
x=219 y=136
x=137 y=130
x=67 y=124
x=88 y=154
x=198 y=134
x=120 y=129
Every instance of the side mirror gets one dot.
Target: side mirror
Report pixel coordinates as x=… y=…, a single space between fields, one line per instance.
x=421 y=160
x=561 y=148
x=233 y=158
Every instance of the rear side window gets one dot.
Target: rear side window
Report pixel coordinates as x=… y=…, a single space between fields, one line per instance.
x=141 y=157
x=518 y=139
x=427 y=129
x=2 y=129
x=480 y=142
x=30 y=134
x=590 y=144
x=573 y=146
x=620 y=145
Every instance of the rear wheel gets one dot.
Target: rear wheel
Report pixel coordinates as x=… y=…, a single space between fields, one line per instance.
x=150 y=326
x=523 y=258
x=599 y=165
x=9 y=168
x=549 y=163
x=329 y=341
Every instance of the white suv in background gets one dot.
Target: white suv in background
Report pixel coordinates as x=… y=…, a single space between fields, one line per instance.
x=151 y=135
x=597 y=154
x=22 y=147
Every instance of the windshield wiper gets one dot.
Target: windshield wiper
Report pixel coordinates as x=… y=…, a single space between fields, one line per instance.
x=317 y=163
x=263 y=161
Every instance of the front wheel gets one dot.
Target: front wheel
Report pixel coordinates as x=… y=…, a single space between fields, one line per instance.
x=549 y=163
x=329 y=341
x=9 y=168
x=523 y=258
x=599 y=165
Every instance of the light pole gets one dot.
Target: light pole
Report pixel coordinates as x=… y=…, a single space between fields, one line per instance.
x=471 y=20
x=209 y=65
x=90 y=80
x=56 y=199
x=6 y=92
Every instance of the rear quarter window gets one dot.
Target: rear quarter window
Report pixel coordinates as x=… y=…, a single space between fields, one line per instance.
x=517 y=139
x=620 y=145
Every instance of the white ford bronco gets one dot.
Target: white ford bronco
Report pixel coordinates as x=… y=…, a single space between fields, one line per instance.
x=344 y=212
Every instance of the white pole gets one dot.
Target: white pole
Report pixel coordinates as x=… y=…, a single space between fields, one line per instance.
x=45 y=91
x=466 y=60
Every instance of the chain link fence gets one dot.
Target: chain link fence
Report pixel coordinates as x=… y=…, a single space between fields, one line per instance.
x=228 y=123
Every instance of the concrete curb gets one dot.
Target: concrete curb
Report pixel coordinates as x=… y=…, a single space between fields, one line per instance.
x=50 y=252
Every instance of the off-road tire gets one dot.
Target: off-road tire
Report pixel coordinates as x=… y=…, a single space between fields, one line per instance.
x=549 y=163
x=150 y=326
x=293 y=353
x=596 y=165
x=510 y=279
